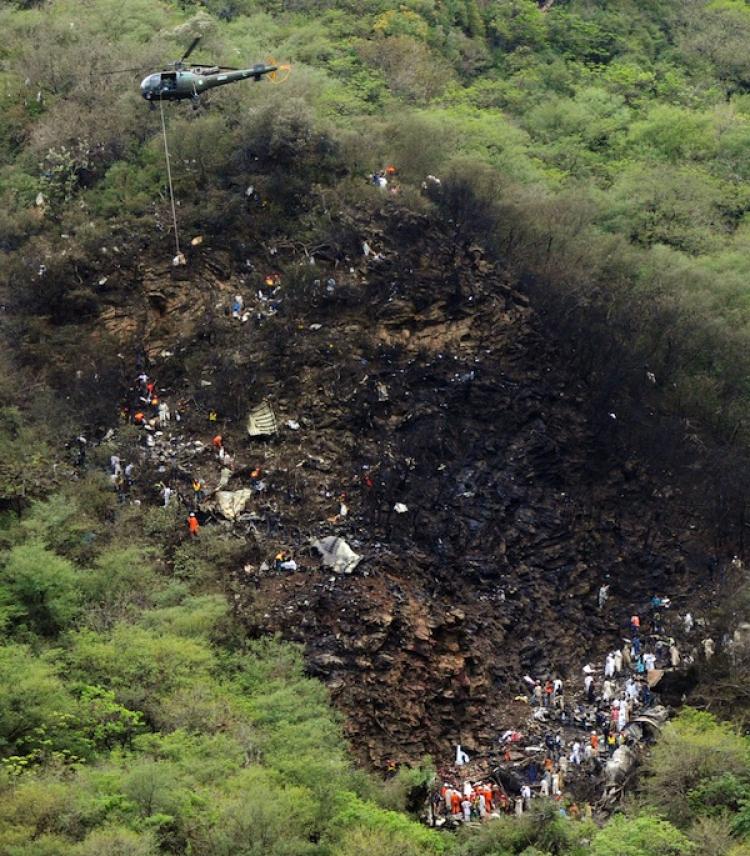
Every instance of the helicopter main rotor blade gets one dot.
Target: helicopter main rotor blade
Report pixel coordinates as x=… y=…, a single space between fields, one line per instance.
x=190 y=49
x=123 y=70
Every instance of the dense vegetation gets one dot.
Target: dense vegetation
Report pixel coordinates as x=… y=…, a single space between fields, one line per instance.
x=602 y=149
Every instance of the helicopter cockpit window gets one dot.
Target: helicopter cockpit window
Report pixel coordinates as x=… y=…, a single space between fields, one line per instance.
x=169 y=80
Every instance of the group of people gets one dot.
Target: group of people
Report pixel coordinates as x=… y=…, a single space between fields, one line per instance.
x=575 y=734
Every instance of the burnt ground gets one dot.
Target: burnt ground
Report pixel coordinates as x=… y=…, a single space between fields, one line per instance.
x=429 y=382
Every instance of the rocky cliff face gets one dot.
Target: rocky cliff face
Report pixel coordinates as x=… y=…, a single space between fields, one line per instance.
x=418 y=376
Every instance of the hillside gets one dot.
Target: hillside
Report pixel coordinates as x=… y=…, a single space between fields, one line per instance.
x=512 y=375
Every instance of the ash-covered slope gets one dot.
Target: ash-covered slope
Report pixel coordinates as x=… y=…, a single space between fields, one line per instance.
x=420 y=377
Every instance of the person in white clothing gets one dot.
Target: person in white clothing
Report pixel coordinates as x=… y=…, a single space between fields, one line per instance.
x=609 y=666
x=166 y=494
x=649 y=661
x=466 y=807
x=618 y=661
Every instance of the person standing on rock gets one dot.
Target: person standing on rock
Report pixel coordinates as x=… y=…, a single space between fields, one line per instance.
x=193 y=525
x=456 y=805
x=609 y=666
x=588 y=685
x=555 y=784
x=603 y=595
x=575 y=755
x=674 y=654
x=618 y=661
x=544 y=787
x=709 y=648
x=526 y=796
x=607 y=691
x=557 y=692
x=466 y=808
x=536 y=694
x=635 y=625
x=627 y=657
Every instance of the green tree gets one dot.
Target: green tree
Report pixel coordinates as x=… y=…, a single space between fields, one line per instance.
x=640 y=836
x=43 y=588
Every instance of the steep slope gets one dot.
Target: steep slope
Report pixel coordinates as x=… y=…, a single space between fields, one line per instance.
x=418 y=376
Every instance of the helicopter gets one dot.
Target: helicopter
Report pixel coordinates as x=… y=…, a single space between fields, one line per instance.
x=179 y=81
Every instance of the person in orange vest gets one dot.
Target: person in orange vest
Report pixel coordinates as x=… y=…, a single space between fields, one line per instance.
x=595 y=741
x=455 y=803
x=193 y=525
x=635 y=625
x=217 y=441
x=139 y=418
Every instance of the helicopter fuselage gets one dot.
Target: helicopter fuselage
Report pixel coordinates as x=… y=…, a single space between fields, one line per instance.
x=181 y=84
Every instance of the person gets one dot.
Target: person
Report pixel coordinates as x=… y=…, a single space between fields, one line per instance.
x=129 y=472
x=688 y=621
x=603 y=595
x=637 y=646
x=455 y=803
x=674 y=654
x=197 y=490
x=544 y=786
x=139 y=418
x=622 y=715
x=611 y=743
x=588 y=685
x=709 y=648
x=536 y=693
x=618 y=661
x=627 y=657
x=217 y=441
x=635 y=625
x=575 y=755
x=609 y=666
x=166 y=495
x=164 y=414
x=555 y=784
x=649 y=661
x=526 y=796
x=594 y=740
x=533 y=772
x=549 y=689
x=466 y=807
x=114 y=462
x=237 y=305
x=193 y=525
x=608 y=690
x=212 y=415
x=481 y=804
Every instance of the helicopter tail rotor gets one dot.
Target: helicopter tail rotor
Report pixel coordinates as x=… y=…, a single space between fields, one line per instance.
x=280 y=74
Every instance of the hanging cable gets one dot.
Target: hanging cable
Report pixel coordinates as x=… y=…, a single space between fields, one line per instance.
x=169 y=178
